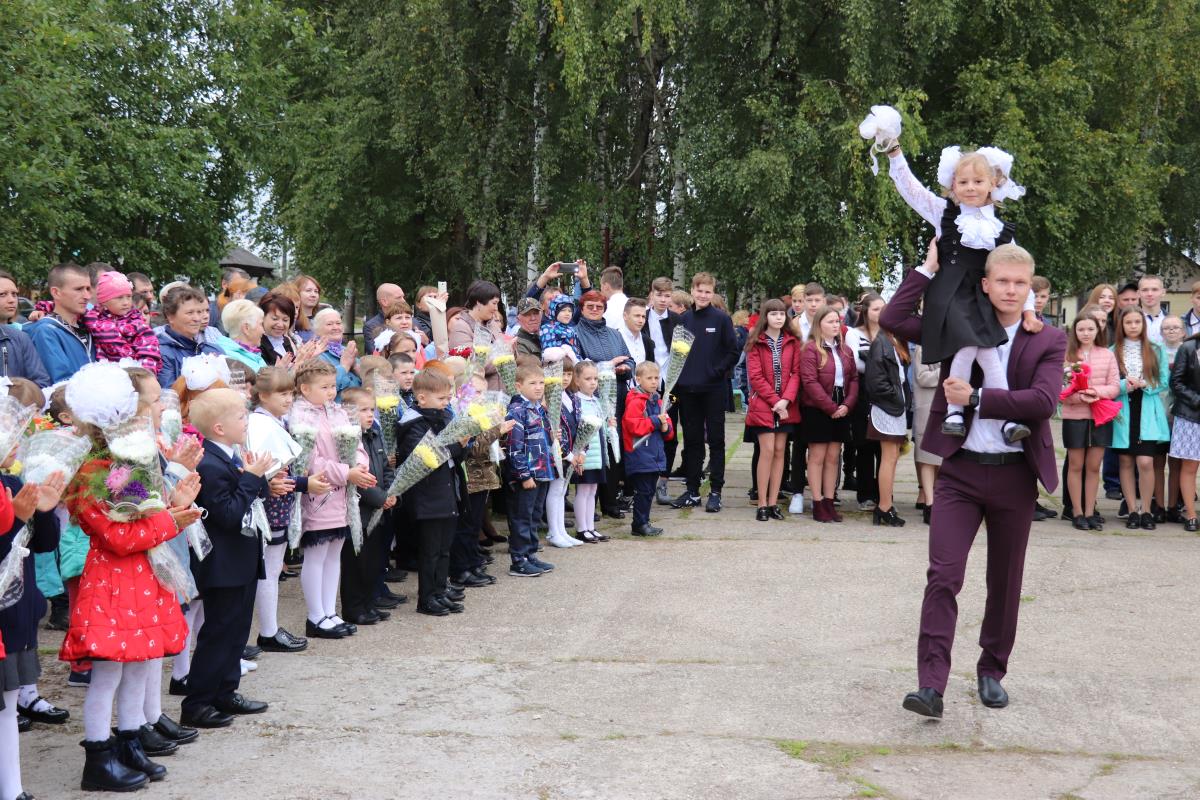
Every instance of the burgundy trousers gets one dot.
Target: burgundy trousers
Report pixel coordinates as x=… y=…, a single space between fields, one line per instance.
x=966 y=494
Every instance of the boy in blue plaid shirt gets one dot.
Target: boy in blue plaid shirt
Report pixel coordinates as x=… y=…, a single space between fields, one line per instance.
x=528 y=470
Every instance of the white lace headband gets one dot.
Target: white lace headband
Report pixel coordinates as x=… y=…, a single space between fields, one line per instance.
x=997 y=158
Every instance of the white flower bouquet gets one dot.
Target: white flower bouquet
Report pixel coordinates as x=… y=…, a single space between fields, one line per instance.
x=14 y=419
x=47 y=452
x=606 y=390
x=134 y=483
x=346 y=438
x=427 y=456
x=171 y=421
x=303 y=428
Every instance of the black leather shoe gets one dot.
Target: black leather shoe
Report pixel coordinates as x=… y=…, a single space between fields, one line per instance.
x=434 y=609
x=925 y=701
x=366 y=618
x=1096 y=522
x=776 y=512
x=24 y=724
x=646 y=530
x=384 y=602
x=1082 y=523
x=177 y=688
x=1147 y=522
x=1191 y=525
x=104 y=772
x=762 y=514
x=953 y=425
x=1159 y=513
x=288 y=573
x=240 y=705
x=382 y=614
x=317 y=632
x=457 y=595
x=991 y=693
x=471 y=580
x=282 y=642
x=251 y=652
x=348 y=628
x=449 y=604
x=481 y=572
x=130 y=753
x=206 y=717
x=1015 y=432
x=390 y=595
x=394 y=575
x=174 y=731
x=1134 y=521
x=154 y=744
x=51 y=716
x=615 y=513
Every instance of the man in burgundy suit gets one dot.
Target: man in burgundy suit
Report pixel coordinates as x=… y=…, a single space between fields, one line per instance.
x=983 y=477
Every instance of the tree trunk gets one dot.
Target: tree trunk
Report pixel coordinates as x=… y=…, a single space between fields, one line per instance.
x=533 y=253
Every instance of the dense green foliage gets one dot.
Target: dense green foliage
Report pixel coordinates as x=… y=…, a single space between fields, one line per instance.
x=419 y=140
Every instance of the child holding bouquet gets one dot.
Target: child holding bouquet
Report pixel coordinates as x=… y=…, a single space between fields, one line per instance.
x=589 y=474
x=117 y=505
x=644 y=415
x=1095 y=368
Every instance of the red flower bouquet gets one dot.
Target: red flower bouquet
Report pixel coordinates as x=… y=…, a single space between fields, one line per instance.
x=1076 y=377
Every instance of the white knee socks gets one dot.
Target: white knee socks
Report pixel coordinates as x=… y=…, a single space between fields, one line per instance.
x=319 y=580
x=331 y=576
x=181 y=664
x=585 y=506
x=266 y=598
x=131 y=696
x=98 y=702
x=988 y=359
x=10 y=753
x=152 y=707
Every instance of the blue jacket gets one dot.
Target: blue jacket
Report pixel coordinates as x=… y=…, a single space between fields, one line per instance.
x=175 y=348
x=19 y=357
x=19 y=622
x=61 y=351
x=227 y=492
x=345 y=378
x=528 y=443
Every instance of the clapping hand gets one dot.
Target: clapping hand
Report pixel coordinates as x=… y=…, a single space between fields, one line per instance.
x=361 y=477
x=186 y=490
x=50 y=492
x=184 y=515
x=186 y=452
x=24 y=502
x=317 y=484
x=281 y=484
x=257 y=463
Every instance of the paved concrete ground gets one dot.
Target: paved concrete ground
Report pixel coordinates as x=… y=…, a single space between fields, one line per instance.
x=729 y=659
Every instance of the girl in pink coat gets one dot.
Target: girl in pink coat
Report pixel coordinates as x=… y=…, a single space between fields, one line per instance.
x=118 y=329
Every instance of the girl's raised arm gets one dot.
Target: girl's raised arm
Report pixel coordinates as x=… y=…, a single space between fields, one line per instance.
x=924 y=202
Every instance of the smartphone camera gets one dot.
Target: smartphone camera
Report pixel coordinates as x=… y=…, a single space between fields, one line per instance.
x=568 y=268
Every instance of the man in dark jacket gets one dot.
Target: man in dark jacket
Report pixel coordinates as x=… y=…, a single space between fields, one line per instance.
x=702 y=390
x=529 y=322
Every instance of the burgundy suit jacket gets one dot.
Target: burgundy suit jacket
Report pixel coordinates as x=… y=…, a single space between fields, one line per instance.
x=1035 y=369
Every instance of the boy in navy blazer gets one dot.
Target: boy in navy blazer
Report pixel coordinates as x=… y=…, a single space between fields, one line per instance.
x=228 y=577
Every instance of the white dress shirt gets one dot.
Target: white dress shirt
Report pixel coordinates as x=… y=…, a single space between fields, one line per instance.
x=805 y=327
x=1154 y=325
x=987 y=435
x=839 y=378
x=633 y=341
x=661 y=345
x=614 y=312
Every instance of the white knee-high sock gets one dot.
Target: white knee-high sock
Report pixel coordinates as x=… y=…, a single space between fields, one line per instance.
x=266 y=598
x=152 y=706
x=10 y=752
x=131 y=696
x=312 y=579
x=181 y=664
x=556 y=507
x=331 y=575
x=98 y=702
x=585 y=506
x=960 y=367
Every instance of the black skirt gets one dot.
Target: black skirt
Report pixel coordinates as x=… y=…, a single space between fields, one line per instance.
x=314 y=538
x=1137 y=447
x=589 y=476
x=817 y=427
x=1080 y=433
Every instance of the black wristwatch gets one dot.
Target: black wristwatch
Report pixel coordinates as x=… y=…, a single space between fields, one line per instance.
x=973 y=402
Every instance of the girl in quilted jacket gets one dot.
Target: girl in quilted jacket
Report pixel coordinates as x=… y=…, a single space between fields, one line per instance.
x=118 y=329
x=124 y=616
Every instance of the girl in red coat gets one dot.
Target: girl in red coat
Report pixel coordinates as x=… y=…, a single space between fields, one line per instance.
x=830 y=382
x=124 y=616
x=773 y=369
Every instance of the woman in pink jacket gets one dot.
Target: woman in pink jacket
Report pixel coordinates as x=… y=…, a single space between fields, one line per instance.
x=829 y=380
x=1085 y=441
x=324 y=516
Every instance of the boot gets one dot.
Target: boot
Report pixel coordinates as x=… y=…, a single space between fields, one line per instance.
x=131 y=754
x=831 y=511
x=819 y=514
x=102 y=772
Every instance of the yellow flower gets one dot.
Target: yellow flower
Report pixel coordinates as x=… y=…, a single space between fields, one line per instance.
x=503 y=358
x=553 y=380
x=682 y=348
x=387 y=403
x=427 y=456
x=16 y=468
x=483 y=350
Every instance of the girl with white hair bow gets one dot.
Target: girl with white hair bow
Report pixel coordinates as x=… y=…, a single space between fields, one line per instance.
x=958 y=322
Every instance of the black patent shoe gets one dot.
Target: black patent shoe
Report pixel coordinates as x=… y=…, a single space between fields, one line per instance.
x=177 y=688
x=450 y=605
x=1147 y=522
x=1159 y=513
x=282 y=642
x=953 y=425
x=1082 y=523
x=51 y=716
x=154 y=744
x=177 y=733
x=926 y=513
x=1096 y=522
x=1134 y=521
x=1015 y=432
x=237 y=704
x=104 y=772
x=889 y=518
x=925 y=701
x=206 y=717
x=24 y=724
x=991 y=693
x=1191 y=525
x=762 y=515
x=317 y=632
x=776 y=512
x=434 y=609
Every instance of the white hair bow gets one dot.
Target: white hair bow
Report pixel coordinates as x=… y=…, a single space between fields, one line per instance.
x=101 y=394
x=882 y=125
x=202 y=371
x=997 y=158
x=383 y=339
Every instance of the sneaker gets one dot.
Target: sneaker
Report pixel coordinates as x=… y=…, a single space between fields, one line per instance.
x=866 y=505
x=562 y=540
x=797 y=504
x=686 y=500
x=714 y=502
x=1113 y=494
x=542 y=565
x=523 y=569
x=79 y=679
x=660 y=494
x=248 y=666
x=1123 y=511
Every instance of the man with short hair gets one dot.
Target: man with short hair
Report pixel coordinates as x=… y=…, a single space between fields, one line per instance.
x=797 y=301
x=703 y=390
x=983 y=476
x=18 y=355
x=143 y=291
x=228 y=276
x=1150 y=293
x=660 y=323
x=62 y=341
x=386 y=296
x=529 y=323
x=612 y=286
x=1127 y=296
x=814 y=298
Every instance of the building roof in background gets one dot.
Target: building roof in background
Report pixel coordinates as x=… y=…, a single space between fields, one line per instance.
x=240 y=257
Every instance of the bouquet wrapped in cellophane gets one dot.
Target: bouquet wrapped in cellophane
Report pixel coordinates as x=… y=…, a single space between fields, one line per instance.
x=475 y=414
x=40 y=455
x=554 y=392
x=588 y=427
x=14 y=419
x=681 y=346
x=346 y=438
x=390 y=408
x=171 y=420
x=506 y=364
x=427 y=456
x=302 y=425
x=481 y=348
x=606 y=390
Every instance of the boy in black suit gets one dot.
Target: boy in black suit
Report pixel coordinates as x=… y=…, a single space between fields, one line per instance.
x=228 y=577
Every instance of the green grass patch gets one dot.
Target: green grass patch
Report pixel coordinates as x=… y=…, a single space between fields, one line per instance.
x=568 y=737
x=612 y=737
